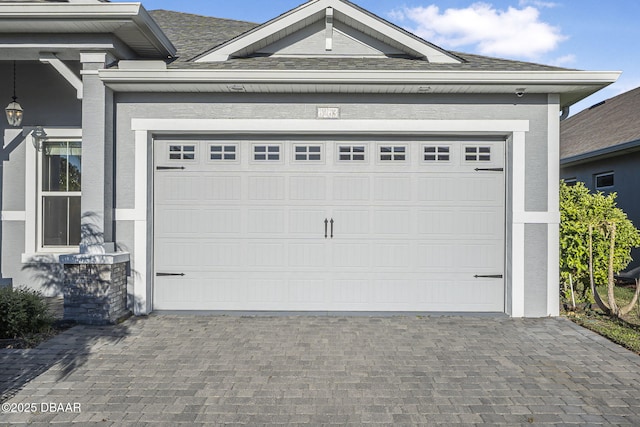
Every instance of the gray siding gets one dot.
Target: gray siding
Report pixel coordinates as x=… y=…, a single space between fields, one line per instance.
x=625 y=168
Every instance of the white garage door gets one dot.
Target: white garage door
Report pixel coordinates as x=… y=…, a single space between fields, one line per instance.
x=329 y=225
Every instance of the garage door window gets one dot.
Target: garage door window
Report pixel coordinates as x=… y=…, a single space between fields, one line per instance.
x=392 y=153
x=226 y=152
x=436 y=153
x=60 y=193
x=477 y=154
x=266 y=153
x=308 y=153
x=182 y=152
x=352 y=153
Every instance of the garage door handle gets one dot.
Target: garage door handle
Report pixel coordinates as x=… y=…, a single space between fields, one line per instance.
x=169 y=168
x=326 y=225
x=169 y=274
x=331 y=227
x=488 y=276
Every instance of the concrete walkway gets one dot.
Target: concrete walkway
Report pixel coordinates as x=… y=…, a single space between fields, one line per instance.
x=191 y=370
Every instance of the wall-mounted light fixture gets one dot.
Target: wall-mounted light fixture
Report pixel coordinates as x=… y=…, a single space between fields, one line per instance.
x=38 y=135
x=14 y=110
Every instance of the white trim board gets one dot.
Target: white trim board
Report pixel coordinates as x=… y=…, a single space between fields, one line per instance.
x=146 y=128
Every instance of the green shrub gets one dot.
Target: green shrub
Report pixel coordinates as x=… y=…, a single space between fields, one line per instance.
x=22 y=312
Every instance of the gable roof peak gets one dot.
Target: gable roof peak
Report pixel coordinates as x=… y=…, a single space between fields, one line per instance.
x=337 y=15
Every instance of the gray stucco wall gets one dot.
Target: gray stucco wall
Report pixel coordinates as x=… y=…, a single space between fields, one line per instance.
x=535 y=270
x=49 y=101
x=430 y=107
x=625 y=168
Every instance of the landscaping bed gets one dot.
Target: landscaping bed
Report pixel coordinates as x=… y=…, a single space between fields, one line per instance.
x=625 y=331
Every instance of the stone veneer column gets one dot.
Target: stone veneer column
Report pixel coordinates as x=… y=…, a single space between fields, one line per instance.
x=95 y=288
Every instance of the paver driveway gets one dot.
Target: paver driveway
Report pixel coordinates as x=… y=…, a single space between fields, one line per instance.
x=168 y=369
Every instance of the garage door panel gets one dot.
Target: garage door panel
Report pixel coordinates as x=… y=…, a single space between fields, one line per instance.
x=174 y=256
x=389 y=255
x=350 y=255
x=267 y=255
x=351 y=188
x=392 y=222
x=266 y=187
x=351 y=223
x=392 y=189
x=266 y=221
x=307 y=222
x=311 y=188
x=407 y=235
x=221 y=188
x=470 y=189
x=307 y=255
x=460 y=223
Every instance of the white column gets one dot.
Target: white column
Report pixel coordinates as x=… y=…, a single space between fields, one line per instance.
x=553 y=207
x=142 y=280
x=517 y=236
x=97 y=157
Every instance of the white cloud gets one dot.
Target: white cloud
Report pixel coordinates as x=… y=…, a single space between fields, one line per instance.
x=513 y=32
x=565 y=60
x=537 y=3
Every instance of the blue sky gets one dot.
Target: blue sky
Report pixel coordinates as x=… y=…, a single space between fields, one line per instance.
x=580 y=34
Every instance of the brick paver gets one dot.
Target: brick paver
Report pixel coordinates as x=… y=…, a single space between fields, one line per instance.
x=190 y=370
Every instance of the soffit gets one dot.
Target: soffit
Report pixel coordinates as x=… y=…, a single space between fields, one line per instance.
x=128 y=22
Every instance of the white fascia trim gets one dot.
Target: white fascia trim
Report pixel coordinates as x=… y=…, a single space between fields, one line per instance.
x=92 y=12
x=324 y=126
x=57 y=11
x=64 y=71
x=562 y=78
x=262 y=32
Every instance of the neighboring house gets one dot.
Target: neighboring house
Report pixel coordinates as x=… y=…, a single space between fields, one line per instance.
x=600 y=146
x=326 y=160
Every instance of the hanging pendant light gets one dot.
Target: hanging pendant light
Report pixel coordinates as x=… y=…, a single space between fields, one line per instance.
x=14 y=110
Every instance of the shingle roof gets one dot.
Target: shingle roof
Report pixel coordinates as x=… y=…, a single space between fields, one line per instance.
x=603 y=126
x=195 y=34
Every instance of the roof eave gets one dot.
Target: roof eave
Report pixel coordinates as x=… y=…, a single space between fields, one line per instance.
x=56 y=15
x=603 y=153
x=571 y=85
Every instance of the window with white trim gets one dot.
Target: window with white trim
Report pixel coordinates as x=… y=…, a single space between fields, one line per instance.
x=436 y=153
x=392 y=153
x=352 y=153
x=264 y=152
x=59 y=193
x=308 y=153
x=477 y=154
x=223 y=152
x=182 y=152
x=604 y=181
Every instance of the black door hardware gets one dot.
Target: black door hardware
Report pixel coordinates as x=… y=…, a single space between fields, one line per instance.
x=488 y=276
x=169 y=274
